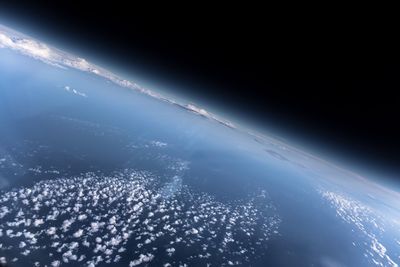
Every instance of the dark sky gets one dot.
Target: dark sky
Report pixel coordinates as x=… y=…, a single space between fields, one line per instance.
x=326 y=82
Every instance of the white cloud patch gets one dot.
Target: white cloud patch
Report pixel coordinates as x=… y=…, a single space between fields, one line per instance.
x=78 y=233
x=198 y=110
x=142 y=259
x=74 y=91
x=5 y=41
x=132 y=206
x=206 y=114
x=33 y=48
x=369 y=223
x=27 y=47
x=158 y=143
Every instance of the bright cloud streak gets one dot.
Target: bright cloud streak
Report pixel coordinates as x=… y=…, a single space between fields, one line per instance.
x=38 y=50
x=26 y=46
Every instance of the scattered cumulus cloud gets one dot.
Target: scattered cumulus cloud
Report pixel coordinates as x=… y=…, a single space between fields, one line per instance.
x=158 y=143
x=91 y=220
x=74 y=91
x=367 y=223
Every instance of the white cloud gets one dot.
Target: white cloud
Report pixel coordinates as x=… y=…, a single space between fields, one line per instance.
x=158 y=143
x=78 y=233
x=33 y=48
x=38 y=222
x=142 y=259
x=366 y=221
x=147 y=219
x=198 y=110
x=170 y=251
x=205 y=113
x=28 y=47
x=56 y=263
x=51 y=231
x=5 y=41
x=74 y=91
x=82 y=217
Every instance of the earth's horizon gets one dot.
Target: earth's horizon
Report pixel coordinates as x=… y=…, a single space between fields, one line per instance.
x=96 y=171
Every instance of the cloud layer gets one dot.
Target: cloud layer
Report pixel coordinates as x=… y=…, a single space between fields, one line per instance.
x=132 y=218
x=38 y=50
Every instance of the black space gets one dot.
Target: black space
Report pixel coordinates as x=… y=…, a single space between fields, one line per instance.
x=326 y=81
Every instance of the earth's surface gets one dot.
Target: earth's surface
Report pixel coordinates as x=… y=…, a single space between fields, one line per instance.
x=96 y=171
